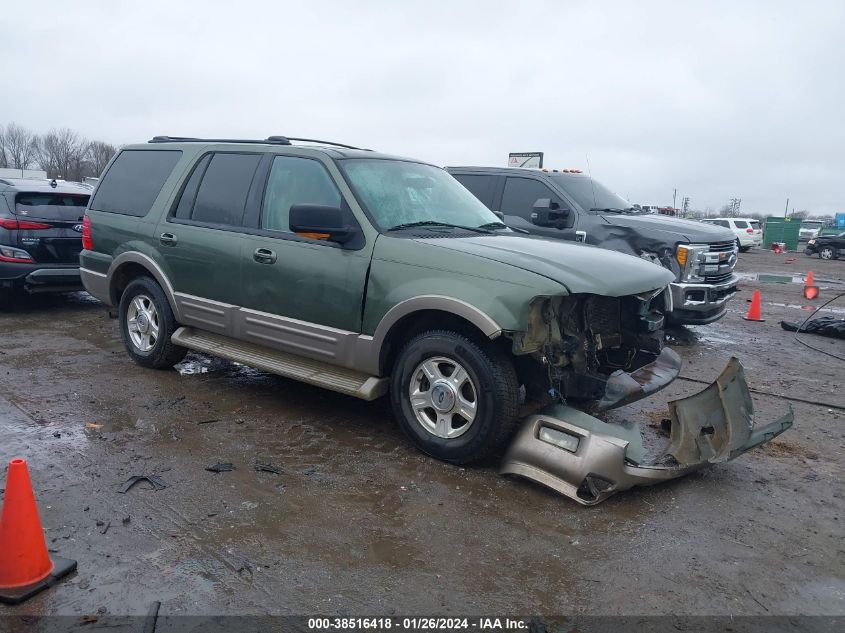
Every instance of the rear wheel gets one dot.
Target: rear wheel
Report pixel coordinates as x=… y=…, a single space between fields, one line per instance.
x=146 y=325
x=456 y=399
x=827 y=252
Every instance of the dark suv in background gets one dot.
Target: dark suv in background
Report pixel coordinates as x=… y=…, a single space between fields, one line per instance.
x=40 y=235
x=569 y=205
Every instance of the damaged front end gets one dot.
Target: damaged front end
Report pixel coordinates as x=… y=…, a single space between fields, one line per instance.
x=589 y=460
x=602 y=351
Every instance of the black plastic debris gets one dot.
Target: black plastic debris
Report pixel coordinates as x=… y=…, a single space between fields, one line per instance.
x=157 y=482
x=823 y=326
x=267 y=468
x=222 y=467
x=212 y=421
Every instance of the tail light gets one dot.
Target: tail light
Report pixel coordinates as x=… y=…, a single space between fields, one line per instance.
x=87 y=242
x=749 y=230
x=13 y=224
x=14 y=255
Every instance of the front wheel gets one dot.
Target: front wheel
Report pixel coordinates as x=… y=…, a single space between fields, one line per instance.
x=146 y=325
x=827 y=253
x=456 y=400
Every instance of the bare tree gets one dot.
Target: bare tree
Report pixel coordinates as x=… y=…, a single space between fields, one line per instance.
x=20 y=147
x=99 y=154
x=62 y=154
x=4 y=162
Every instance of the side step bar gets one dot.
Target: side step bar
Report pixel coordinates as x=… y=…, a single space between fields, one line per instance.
x=313 y=372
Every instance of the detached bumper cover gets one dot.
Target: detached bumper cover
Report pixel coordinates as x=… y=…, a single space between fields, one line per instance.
x=601 y=459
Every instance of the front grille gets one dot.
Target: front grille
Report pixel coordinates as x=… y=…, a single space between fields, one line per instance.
x=717 y=279
x=722 y=247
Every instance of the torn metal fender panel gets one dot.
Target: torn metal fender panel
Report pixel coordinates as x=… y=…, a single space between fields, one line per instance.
x=589 y=460
x=625 y=387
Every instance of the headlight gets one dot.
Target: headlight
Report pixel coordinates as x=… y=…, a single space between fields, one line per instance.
x=811 y=242
x=689 y=257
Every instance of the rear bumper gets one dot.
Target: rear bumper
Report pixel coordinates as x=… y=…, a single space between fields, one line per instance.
x=699 y=304
x=96 y=284
x=712 y=426
x=39 y=277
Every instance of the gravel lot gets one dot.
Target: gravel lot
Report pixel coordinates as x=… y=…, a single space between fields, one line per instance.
x=358 y=522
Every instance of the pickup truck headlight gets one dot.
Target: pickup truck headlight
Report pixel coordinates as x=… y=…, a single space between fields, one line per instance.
x=689 y=257
x=811 y=242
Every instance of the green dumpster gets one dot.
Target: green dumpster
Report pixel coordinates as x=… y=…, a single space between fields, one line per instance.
x=781 y=230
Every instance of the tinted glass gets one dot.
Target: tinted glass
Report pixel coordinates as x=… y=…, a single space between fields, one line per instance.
x=521 y=193
x=295 y=181
x=741 y=224
x=221 y=197
x=134 y=180
x=398 y=192
x=755 y=225
x=589 y=193
x=189 y=193
x=482 y=187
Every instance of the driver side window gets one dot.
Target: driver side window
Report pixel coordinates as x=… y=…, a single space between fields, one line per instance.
x=520 y=194
x=294 y=180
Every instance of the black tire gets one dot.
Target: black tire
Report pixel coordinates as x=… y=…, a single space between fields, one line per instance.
x=495 y=384
x=744 y=249
x=163 y=353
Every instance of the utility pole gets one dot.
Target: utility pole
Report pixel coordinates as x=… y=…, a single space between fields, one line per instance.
x=733 y=208
x=674 y=197
x=786 y=210
x=685 y=205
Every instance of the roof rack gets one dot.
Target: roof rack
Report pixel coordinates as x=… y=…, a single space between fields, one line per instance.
x=271 y=140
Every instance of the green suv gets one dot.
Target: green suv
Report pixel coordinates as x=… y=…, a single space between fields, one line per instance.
x=367 y=274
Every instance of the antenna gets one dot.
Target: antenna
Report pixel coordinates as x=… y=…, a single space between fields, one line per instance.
x=590 y=173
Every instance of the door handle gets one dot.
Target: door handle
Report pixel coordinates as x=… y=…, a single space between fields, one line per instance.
x=264 y=256
x=168 y=239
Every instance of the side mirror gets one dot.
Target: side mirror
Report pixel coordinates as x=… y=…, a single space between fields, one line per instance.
x=322 y=222
x=549 y=214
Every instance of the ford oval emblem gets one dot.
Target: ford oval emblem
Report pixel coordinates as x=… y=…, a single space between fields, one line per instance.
x=77 y=228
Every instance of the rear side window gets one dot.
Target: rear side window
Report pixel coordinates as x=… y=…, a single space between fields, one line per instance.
x=521 y=194
x=482 y=187
x=134 y=180
x=222 y=193
x=293 y=181
x=741 y=224
x=755 y=225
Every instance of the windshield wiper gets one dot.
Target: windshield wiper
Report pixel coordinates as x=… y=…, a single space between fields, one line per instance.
x=494 y=225
x=411 y=225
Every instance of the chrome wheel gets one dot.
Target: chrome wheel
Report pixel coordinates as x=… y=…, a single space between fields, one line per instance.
x=142 y=323
x=443 y=397
x=826 y=253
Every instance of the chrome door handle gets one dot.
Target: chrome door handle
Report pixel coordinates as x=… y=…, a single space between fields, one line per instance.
x=168 y=239
x=264 y=256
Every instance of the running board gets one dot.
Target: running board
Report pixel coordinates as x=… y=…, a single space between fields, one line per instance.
x=314 y=372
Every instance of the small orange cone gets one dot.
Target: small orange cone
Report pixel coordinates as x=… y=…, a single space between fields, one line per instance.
x=754 y=308
x=811 y=290
x=25 y=565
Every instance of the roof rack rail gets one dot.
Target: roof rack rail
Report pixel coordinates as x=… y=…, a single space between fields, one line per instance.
x=272 y=140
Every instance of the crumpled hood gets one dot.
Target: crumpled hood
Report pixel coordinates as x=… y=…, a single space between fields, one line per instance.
x=685 y=230
x=578 y=267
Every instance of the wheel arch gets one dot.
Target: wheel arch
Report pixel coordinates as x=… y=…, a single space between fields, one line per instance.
x=410 y=317
x=131 y=265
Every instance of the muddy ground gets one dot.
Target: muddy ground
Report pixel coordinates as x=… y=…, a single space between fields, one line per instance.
x=358 y=522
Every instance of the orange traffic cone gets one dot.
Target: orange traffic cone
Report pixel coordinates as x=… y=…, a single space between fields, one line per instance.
x=25 y=565
x=754 y=308
x=811 y=290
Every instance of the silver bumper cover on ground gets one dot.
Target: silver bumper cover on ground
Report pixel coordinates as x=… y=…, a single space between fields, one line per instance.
x=589 y=460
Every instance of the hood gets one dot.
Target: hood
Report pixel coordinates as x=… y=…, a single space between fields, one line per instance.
x=578 y=267
x=682 y=230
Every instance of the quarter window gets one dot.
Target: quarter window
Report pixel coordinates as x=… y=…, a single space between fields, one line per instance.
x=521 y=193
x=293 y=181
x=741 y=224
x=221 y=197
x=134 y=180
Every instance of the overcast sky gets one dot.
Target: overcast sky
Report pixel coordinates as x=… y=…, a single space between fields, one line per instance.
x=717 y=100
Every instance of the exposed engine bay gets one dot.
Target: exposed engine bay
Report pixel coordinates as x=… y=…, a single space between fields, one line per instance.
x=608 y=350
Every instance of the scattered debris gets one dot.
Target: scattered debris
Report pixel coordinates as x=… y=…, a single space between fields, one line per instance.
x=823 y=326
x=152 y=617
x=57 y=434
x=105 y=527
x=126 y=519
x=157 y=483
x=222 y=467
x=208 y=421
x=92 y=425
x=267 y=468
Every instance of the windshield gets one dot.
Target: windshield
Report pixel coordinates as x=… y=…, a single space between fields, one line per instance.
x=396 y=192
x=589 y=193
